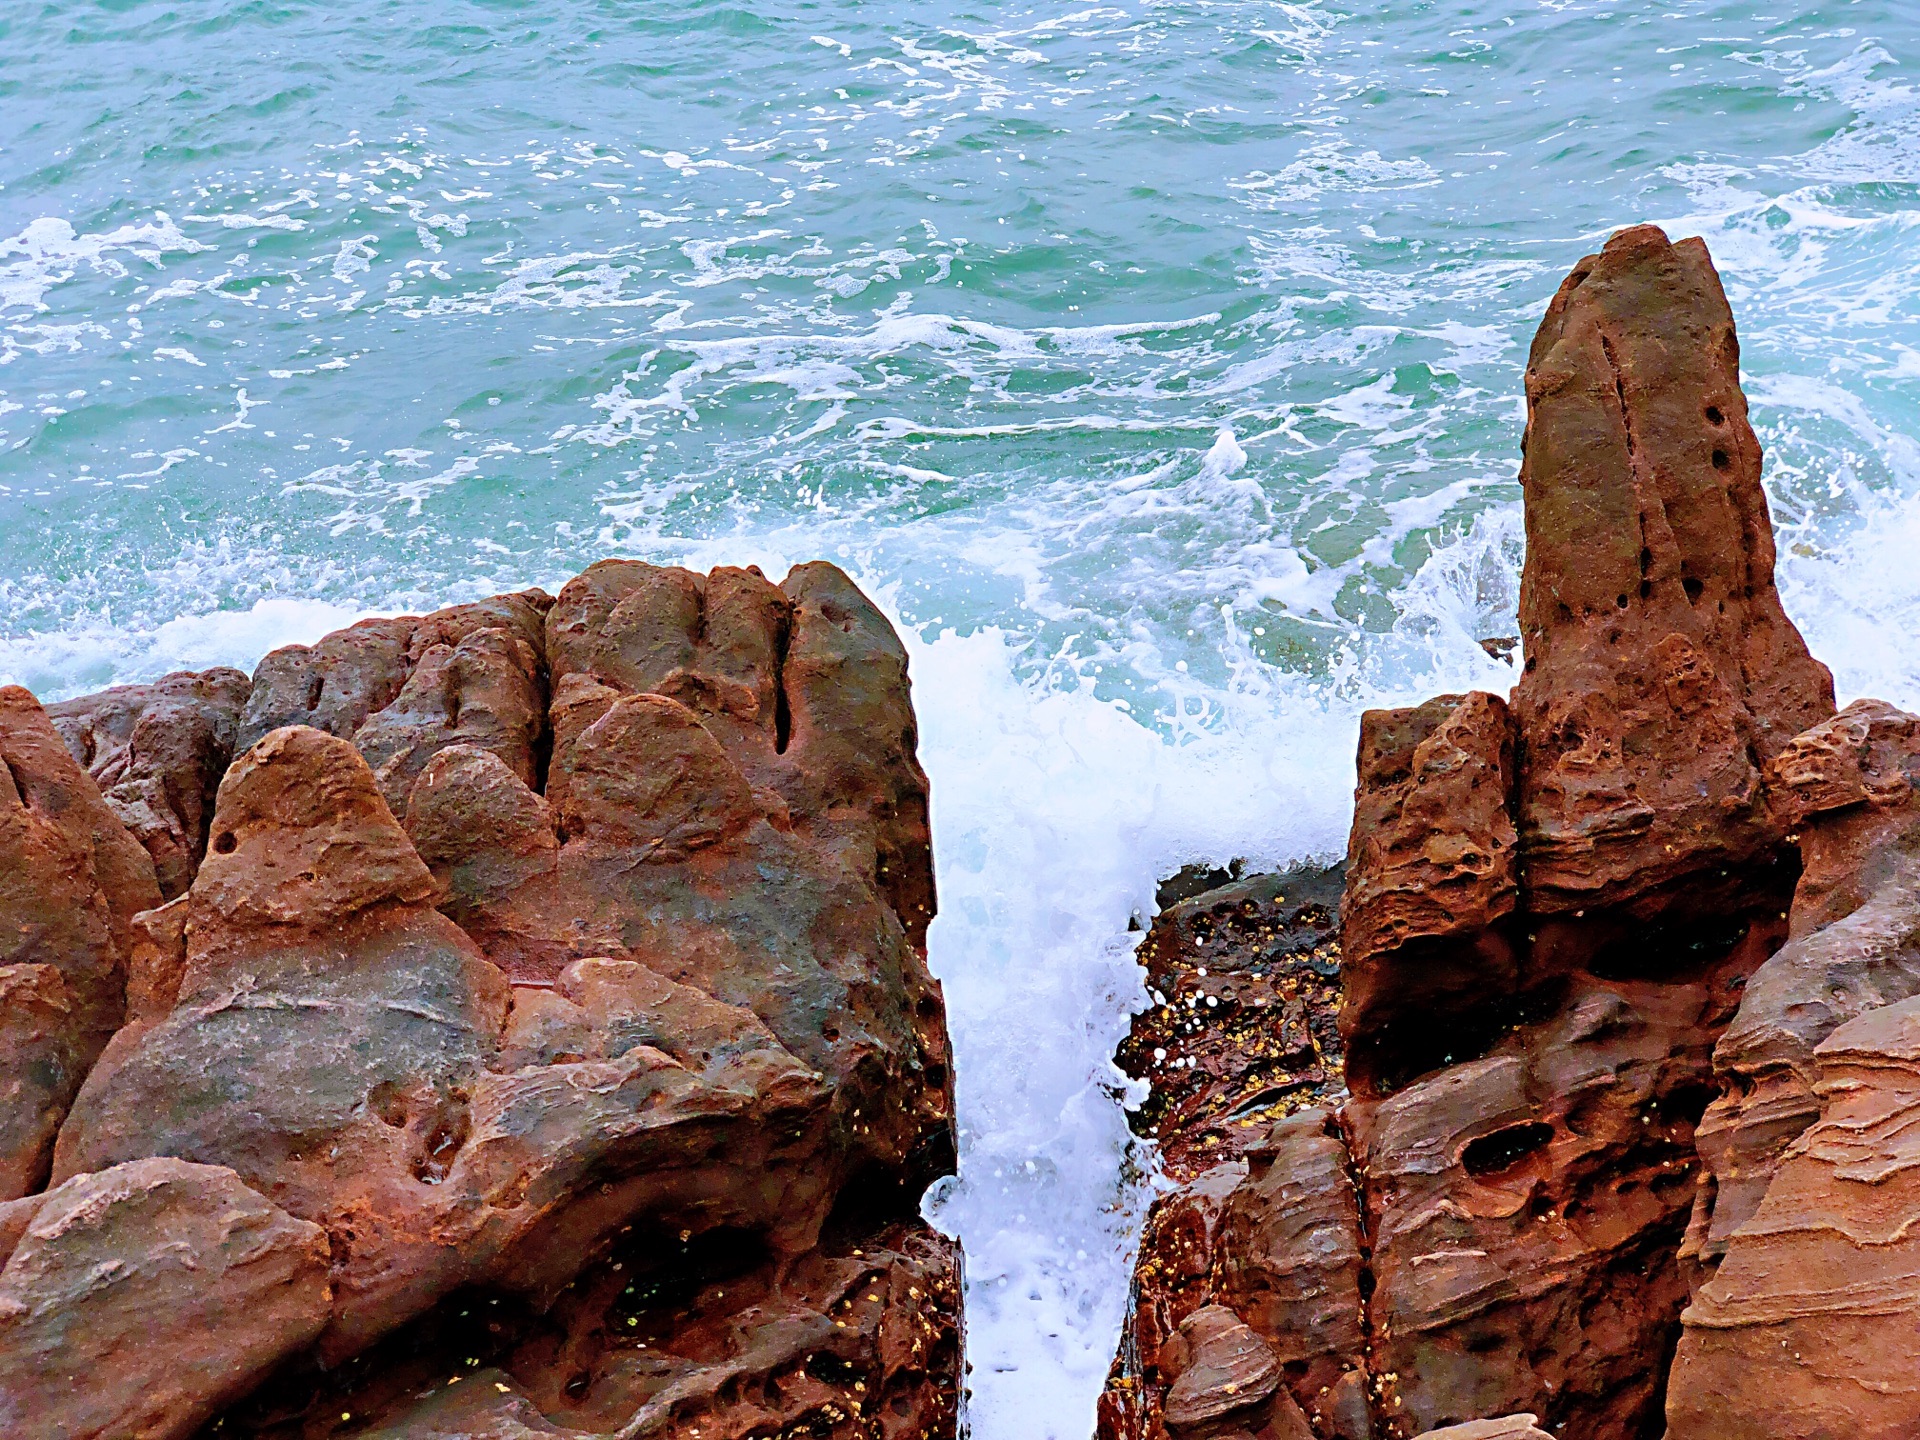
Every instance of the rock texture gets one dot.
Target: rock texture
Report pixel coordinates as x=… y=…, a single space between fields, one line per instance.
x=1560 y=939
x=142 y=1298
x=1661 y=671
x=71 y=881
x=157 y=752
x=557 y=962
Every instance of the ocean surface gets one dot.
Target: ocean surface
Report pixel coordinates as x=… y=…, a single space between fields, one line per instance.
x=1157 y=364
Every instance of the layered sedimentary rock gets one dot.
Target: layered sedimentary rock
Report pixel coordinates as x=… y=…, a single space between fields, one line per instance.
x=1846 y=789
x=1554 y=905
x=1806 y=1328
x=540 y=962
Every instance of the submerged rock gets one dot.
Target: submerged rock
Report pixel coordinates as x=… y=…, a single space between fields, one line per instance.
x=597 y=1013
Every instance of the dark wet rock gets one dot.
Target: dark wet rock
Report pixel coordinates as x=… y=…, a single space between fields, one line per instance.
x=1245 y=985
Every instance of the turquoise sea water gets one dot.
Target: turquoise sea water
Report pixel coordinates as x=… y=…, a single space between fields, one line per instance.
x=1156 y=363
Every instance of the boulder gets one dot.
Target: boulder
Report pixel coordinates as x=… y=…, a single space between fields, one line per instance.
x=143 y=1298
x=1507 y=1427
x=351 y=1054
x=157 y=753
x=578 y=1021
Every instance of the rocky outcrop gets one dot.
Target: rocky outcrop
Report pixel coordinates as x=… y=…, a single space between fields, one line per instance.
x=143 y=1298
x=525 y=972
x=1846 y=790
x=157 y=752
x=1661 y=672
x=71 y=881
x=1555 y=904
x=1806 y=1328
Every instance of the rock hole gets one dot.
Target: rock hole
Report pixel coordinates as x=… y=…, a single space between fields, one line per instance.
x=1693 y=586
x=1504 y=1149
x=578 y=1386
x=1646 y=560
x=389 y=1103
x=1714 y=417
x=225 y=843
x=1721 y=460
x=1646 y=588
x=937 y=1076
x=1621 y=601
x=927 y=1007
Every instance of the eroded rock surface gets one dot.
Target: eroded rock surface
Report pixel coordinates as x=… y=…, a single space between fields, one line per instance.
x=71 y=880
x=1806 y=1328
x=1555 y=904
x=142 y=1298
x=157 y=753
x=558 y=967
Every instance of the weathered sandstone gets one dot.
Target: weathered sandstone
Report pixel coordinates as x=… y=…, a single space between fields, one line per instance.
x=1555 y=904
x=525 y=975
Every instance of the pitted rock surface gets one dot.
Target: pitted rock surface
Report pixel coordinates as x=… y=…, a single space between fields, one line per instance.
x=562 y=998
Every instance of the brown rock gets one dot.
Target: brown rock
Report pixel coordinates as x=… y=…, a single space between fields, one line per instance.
x=486 y=692
x=403 y=689
x=1226 y=1368
x=1806 y=1328
x=1273 y=1240
x=804 y=685
x=1427 y=957
x=336 y=1041
x=71 y=880
x=157 y=753
x=1525 y=1209
x=1855 y=946
x=1661 y=671
x=630 y=1088
x=141 y=1300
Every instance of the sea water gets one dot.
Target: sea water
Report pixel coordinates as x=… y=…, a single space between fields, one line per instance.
x=1155 y=363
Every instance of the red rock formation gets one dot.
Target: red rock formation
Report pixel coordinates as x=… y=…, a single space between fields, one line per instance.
x=1845 y=789
x=649 y=1065
x=1553 y=906
x=1432 y=879
x=157 y=753
x=71 y=881
x=1661 y=672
